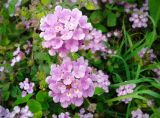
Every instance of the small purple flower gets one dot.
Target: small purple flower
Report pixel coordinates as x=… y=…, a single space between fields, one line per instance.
x=18 y=56
x=95 y=41
x=23 y=112
x=62 y=115
x=4 y=113
x=124 y=90
x=83 y=114
x=146 y=53
x=157 y=71
x=101 y=80
x=26 y=86
x=139 y=114
x=139 y=17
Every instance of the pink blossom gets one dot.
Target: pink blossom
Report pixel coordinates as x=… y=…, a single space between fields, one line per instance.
x=70 y=82
x=67 y=31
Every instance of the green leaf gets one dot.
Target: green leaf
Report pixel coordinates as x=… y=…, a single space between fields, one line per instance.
x=100 y=107
x=155 y=115
x=76 y=116
x=41 y=96
x=44 y=105
x=132 y=82
x=42 y=56
x=44 y=68
x=15 y=92
x=98 y=91
x=11 y=7
x=5 y=95
x=6 y=87
x=111 y=19
x=34 y=106
x=23 y=99
x=96 y=17
x=149 y=92
x=89 y=5
x=101 y=27
x=3 y=28
x=38 y=114
x=154 y=9
x=45 y=2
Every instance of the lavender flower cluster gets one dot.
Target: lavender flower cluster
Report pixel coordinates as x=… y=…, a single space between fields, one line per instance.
x=101 y=80
x=124 y=90
x=147 y=53
x=139 y=17
x=21 y=112
x=68 y=31
x=62 y=115
x=27 y=87
x=4 y=113
x=139 y=114
x=72 y=81
x=17 y=112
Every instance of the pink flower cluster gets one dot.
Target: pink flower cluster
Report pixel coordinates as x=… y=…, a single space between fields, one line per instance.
x=124 y=90
x=101 y=80
x=139 y=114
x=139 y=17
x=68 y=31
x=70 y=82
x=62 y=115
x=27 y=87
x=18 y=56
x=64 y=30
x=21 y=112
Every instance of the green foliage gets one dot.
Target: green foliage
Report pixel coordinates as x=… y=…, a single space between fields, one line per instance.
x=154 y=10
x=34 y=106
x=41 y=96
x=96 y=17
x=22 y=100
x=98 y=91
x=111 y=19
x=11 y=7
